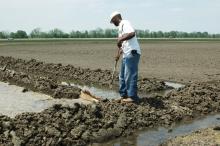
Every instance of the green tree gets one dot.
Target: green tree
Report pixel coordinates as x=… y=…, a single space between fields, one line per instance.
x=56 y=33
x=44 y=35
x=86 y=34
x=78 y=34
x=205 y=34
x=140 y=33
x=92 y=34
x=12 y=35
x=99 y=33
x=108 y=33
x=153 y=34
x=159 y=34
x=146 y=33
x=36 y=33
x=173 y=34
x=20 y=34
x=114 y=33
x=4 y=35
x=73 y=34
x=104 y=33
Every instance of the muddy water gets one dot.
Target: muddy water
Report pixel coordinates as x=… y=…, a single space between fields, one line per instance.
x=13 y=101
x=154 y=137
x=113 y=94
x=100 y=92
x=174 y=85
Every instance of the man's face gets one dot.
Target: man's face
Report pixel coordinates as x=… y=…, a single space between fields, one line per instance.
x=116 y=20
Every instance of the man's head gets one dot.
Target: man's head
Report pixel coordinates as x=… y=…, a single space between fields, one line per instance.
x=115 y=18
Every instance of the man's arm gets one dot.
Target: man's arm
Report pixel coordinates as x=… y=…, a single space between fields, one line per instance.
x=125 y=37
x=119 y=52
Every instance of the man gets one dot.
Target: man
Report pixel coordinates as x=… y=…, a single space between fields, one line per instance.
x=129 y=47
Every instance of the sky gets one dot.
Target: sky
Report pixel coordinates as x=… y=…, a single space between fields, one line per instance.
x=68 y=15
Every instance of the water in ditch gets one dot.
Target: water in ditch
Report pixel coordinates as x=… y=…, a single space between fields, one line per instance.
x=156 y=136
x=13 y=101
x=112 y=94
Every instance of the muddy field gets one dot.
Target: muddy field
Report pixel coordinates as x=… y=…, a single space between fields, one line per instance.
x=181 y=61
x=33 y=73
x=80 y=124
x=195 y=63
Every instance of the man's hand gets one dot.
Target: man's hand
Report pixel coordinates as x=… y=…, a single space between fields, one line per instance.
x=119 y=52
x=119 y=42
x=117 y=57
x=125 y=37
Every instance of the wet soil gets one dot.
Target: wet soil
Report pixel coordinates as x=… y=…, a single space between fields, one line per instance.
x=200 y=97
x=14 y=101
x=203 y=137
x=41 y=84
x=70 y=73
x=80 y=124
x=159 y=135
x=84 y=124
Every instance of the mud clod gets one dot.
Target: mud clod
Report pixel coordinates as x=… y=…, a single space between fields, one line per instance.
x=67 y=92
x=216 y=128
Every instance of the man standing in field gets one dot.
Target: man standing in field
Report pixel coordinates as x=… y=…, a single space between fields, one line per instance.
x=129 y=47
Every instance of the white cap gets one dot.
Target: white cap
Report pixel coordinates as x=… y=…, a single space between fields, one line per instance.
x=113 y=15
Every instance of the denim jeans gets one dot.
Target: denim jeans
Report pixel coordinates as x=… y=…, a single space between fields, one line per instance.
x=128 y=76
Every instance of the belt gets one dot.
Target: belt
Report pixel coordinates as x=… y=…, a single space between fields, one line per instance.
x=133 y=51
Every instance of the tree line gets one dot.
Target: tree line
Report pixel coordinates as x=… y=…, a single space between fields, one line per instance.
x=102 y=33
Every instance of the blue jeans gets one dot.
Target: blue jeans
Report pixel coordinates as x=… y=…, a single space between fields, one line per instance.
x=128 y=76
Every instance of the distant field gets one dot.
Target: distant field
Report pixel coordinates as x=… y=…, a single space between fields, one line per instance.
x=107 y=39
x=181 y=60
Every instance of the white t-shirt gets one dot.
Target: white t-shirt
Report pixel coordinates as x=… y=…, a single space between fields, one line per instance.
x=131 y=44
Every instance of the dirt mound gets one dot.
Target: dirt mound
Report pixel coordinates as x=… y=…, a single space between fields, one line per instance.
x=5 y=128
x=83 y=124
x=46 y=85
x=202 y=137
x=70 y=73
x=200 y=97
